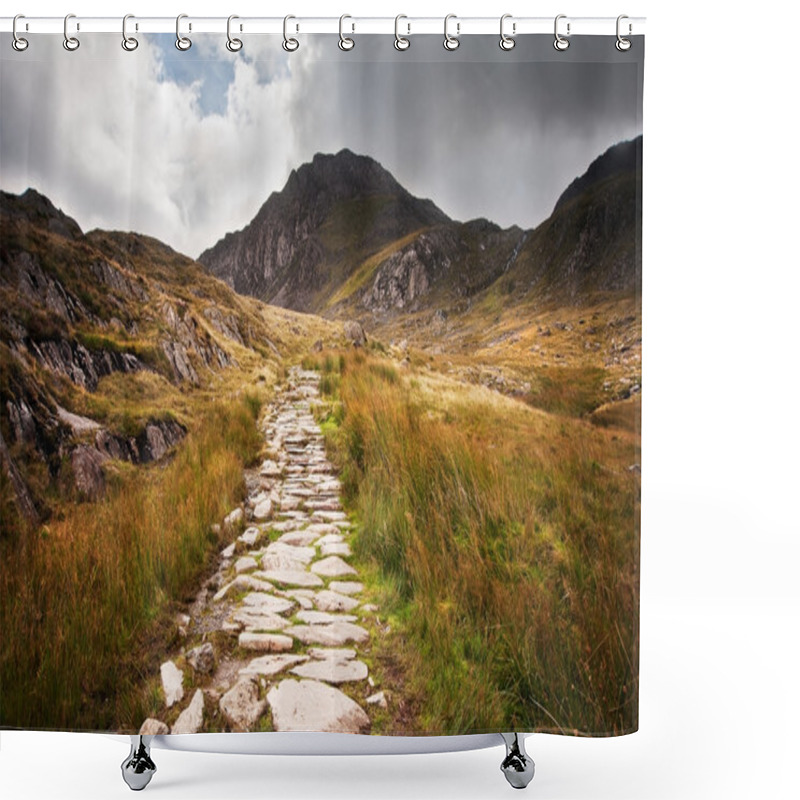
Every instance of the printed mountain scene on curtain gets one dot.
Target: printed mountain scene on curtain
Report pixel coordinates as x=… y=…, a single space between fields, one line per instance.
x=357 y=466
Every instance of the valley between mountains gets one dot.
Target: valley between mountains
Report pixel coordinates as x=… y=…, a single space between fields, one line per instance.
x=359 y=467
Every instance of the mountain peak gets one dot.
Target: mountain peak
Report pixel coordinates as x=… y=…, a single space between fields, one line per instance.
x=343 y=175
x=622 y=157
x=334 y=211
x=31 y=206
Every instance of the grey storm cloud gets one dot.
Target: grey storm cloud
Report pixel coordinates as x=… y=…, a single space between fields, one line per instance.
x=187 y=148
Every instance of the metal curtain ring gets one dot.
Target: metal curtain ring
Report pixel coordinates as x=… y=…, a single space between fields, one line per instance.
x=400 y=42
x=560 y=43
x=622 y=44
x=507 y=42
x=233 y=44
x=18 y=43
x=181 y=42
x=289 y=44
x=451 y=42
x=345 y=42
x=70 y=43
x=129 y=43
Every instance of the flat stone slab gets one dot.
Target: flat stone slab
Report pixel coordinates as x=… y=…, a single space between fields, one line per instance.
x=323 y=505
x=266 y=642
x=230 y=550
x=298 y=538
x=253 y=622
x=277 y=560
x=171 y=683
x=234 y=518
x=262 y=603
x=332 y=670
x=245 y=564
x=255 y=499
x=378 y=699
x=346 y=587
x=270 y=469
x=334 y=634
x=296 y=552
x=331 y=516
x=312 y=706
x=191 y=718
x=329 y=538
x=263 y=510
x=290 y=502
x=286 y=525
x=323 y=617
x=338 y=653
x=153 y=727
x=267 y=666
x=336 y=549
x=241 y=707
x=201 y=658
x=243 y=582
x=327 y=600
x=292 y=577
x=333 y=567
x=300 y=516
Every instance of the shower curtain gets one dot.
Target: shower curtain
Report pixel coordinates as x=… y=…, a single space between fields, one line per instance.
x=321 y=383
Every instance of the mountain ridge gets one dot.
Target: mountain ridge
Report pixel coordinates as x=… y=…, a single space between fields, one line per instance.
x=345 y=260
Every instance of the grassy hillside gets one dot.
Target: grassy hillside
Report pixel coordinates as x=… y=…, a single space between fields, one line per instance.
x=130 y=386
x=506 y=543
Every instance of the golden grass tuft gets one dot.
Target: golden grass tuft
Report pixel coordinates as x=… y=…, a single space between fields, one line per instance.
x=80 y=598
x=511 y=539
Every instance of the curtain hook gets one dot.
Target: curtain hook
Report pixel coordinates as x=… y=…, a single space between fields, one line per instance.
x=289 y=44
x=507 y=42
x=451 y=42
x=70 y=43
x=560 y=43
x=181 y=42
x=345 y=42
x=400 y=42
x=623 y=44
x=129 y=43
x=18 y=43
x=233 y=44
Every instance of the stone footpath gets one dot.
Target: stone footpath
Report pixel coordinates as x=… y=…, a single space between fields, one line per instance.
x=288 y=595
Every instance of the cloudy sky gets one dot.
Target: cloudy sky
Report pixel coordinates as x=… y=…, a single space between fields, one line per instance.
x=187 y=146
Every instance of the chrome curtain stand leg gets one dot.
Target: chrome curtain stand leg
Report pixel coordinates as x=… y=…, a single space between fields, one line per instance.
x=517 y=766
x=138 y=768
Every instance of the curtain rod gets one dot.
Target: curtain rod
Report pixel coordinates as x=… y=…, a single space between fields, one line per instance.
x=461 y=26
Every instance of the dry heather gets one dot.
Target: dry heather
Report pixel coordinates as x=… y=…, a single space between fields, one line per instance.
x=506 y=539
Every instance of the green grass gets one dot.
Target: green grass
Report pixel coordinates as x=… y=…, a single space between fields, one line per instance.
x=84 y=600
x=509 y=540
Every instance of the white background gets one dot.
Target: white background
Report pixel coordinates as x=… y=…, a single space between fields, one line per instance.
x=720 y=706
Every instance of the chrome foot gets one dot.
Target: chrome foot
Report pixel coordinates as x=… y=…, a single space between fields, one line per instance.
x=138 y=768
x=517 y=766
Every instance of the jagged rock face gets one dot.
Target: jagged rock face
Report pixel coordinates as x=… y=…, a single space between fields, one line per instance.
x=622 y=158
x=283 y=254
x=592 y=241
x=32 y=205
x=75 y=309
x=83 y=367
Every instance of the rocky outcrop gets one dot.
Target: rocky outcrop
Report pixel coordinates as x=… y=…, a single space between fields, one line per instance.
x=190 y=337
x=354 y=333
x=87 y=472
x=22 y=496
x=283 y=255
x=82 y=366
x=32 y=205
x=226 y=324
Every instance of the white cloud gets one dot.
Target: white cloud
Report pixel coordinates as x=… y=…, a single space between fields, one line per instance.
x=187 y=146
